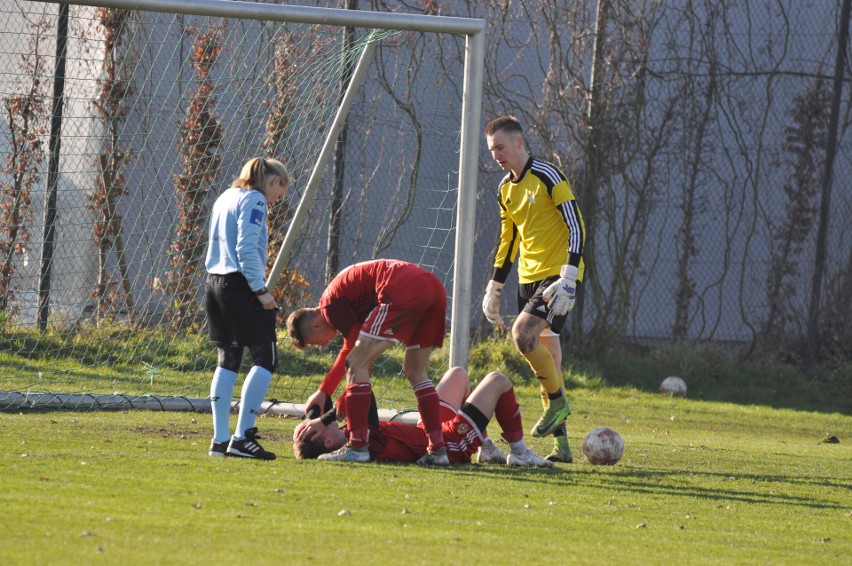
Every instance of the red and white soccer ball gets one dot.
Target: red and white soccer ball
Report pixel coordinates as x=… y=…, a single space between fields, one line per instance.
x=603 y=446
x=674 y=386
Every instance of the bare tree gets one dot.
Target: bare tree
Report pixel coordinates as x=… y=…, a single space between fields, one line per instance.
x=26 y=128
x=806 y=136
x=111 y=107
x=201 y=133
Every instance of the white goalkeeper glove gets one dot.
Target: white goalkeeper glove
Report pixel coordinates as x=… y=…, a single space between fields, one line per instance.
x=560 y=295
x=491 y=303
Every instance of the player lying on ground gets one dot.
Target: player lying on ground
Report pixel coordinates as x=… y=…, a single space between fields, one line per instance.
x=465 y=414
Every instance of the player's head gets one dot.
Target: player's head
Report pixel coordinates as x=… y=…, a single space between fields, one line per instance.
x=508 y=124
x=505 y=138
x=266 y=175
x=306 y=327
x=309 y=449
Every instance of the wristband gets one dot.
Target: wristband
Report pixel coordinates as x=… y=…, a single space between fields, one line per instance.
x=260 y=292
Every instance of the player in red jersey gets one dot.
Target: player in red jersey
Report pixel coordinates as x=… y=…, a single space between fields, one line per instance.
x=376 y=304
x=465 y=414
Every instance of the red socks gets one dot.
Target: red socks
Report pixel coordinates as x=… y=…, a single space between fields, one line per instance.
x=508 y=414
x=429 y=406
x=358 y=396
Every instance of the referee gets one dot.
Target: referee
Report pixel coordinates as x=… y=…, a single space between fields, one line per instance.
x=241 y=311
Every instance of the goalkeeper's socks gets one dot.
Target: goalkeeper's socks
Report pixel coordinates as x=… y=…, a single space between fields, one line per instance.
x=429 y=406
x=359 y=396
x=254 y=390
x=221 y=391
x=508 y=415
x=545 y=399
x=542 y=364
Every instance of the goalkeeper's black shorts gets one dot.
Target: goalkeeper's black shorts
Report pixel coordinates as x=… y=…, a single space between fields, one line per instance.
x=530 y=300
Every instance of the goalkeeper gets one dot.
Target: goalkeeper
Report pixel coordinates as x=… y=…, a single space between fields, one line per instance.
x=464 y=416
x=541 y=222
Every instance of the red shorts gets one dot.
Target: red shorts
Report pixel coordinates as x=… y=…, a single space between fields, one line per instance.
x=410 y=310
x=462 y=437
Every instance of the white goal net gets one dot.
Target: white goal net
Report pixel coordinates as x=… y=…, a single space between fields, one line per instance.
x=124 y=120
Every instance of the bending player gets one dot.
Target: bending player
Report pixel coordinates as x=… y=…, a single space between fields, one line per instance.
x=464 y=418
x=376 y=304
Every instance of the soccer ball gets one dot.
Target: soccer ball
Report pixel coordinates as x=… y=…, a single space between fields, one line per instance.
x=603 y=446
x=674 y=386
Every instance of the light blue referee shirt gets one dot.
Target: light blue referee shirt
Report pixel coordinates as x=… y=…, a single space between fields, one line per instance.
x=239 y=236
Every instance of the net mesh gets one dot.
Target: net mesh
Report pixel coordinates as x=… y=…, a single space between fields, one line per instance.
x=103 y=270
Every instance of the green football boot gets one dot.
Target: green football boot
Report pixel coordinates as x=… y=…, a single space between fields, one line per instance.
x=553 y=416
x=561 y=451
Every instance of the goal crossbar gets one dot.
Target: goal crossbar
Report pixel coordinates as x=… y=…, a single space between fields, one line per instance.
x=298 y=14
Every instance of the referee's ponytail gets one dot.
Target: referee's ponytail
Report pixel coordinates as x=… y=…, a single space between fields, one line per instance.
x=255 y=171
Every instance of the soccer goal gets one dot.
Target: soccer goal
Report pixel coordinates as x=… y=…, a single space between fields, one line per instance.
x=124 y=119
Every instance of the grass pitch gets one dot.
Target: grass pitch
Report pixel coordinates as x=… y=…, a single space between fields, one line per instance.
x=700 y=483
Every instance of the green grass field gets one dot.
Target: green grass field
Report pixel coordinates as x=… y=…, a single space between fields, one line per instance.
x=701 y=482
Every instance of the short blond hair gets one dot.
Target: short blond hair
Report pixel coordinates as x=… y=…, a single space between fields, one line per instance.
x=255 y=171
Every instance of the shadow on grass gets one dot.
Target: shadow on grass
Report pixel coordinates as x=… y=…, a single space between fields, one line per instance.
x=620 y=480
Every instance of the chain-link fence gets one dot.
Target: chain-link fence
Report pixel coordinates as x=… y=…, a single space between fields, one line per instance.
x=696 y=136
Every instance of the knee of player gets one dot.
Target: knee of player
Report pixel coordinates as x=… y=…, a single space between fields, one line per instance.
x=456 y=372
x=230 y=359
x=524 y=341
x=356 y=373
x=497 y=379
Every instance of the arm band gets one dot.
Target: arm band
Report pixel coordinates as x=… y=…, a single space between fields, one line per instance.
x=329 y=417
x=373 y=416
x=313 y=412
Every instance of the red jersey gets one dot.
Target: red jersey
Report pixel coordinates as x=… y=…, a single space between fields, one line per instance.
x=397 y=441
x=385 y=299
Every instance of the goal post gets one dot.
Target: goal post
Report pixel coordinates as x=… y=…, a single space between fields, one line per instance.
x=163 y=102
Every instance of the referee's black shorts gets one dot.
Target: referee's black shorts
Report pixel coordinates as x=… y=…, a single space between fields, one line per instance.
x=234 y=313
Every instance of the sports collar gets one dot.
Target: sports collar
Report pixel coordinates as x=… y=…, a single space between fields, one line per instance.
x=523 y=171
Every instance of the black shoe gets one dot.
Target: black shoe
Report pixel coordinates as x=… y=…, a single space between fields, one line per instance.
x=218 y=449
x=249 y=448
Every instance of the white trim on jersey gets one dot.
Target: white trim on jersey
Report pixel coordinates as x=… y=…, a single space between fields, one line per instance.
x=547 y=169
x=575 y=240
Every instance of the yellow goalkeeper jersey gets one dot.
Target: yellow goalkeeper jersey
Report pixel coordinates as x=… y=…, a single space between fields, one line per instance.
x=540 y=219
